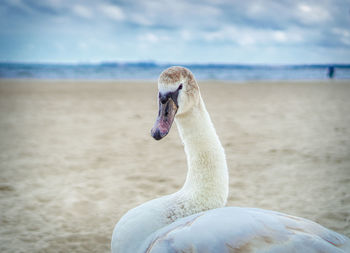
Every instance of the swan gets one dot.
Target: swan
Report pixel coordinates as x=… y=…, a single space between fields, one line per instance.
x=194 y=219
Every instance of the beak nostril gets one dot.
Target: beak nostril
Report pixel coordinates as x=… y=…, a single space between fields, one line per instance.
x=166 y=110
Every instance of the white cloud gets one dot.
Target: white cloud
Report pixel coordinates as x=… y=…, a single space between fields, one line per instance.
x=175 y=14
x=186 y=35
x=255 y=8
x=248 y=36
x=141 y=19
x=82 y=11
x=280 y=36
x=55 y=3
x=152 y=38
x=344 y=35
x=112 y=11
x=304 y=8
x=184 y=25
x=312 y=14
x=19 y=4
x=149 y=37
x=342 y=32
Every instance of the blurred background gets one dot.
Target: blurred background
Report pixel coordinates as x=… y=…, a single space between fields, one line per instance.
x=78 y=97
x=221 y=39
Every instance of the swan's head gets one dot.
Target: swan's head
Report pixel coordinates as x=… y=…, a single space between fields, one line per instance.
x=178 y=92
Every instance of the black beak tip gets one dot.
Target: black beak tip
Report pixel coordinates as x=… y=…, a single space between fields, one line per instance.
x=156 y=134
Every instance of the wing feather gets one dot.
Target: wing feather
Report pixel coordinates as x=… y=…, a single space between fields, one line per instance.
x=236 y=230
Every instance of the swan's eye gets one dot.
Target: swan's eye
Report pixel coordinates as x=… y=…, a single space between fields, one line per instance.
x=180 y=87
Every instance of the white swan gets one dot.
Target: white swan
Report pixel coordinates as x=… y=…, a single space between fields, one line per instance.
x=192 y=219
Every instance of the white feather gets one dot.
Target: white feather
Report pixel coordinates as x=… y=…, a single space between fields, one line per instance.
x=192 y=220
x=235 y=229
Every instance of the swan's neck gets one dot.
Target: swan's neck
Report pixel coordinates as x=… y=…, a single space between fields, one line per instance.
x=207 y=178
x=206 y=185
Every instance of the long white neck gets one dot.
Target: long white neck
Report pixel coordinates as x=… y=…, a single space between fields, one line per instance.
x=207 y=177
x=206 y=185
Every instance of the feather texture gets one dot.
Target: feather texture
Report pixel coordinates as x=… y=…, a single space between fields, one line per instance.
x=235 y=229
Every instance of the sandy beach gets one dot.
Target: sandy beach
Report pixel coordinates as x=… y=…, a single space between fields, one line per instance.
x=76 y=155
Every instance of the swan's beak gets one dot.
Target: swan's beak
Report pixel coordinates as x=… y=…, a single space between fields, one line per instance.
x=166 y=115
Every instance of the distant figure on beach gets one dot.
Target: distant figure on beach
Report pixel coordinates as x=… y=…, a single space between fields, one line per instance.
x=331 y=72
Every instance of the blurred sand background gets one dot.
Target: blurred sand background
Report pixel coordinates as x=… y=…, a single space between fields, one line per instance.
x=76 y=155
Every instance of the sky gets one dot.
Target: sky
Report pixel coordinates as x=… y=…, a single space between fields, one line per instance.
x=175 y=31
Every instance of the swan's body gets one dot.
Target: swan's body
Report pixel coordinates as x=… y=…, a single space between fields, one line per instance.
x=235 y=229
x=181 y=222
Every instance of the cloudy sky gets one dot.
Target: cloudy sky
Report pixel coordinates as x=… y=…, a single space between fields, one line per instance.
x=168 y=31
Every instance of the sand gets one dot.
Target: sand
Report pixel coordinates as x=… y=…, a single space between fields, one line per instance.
x=76 y=155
